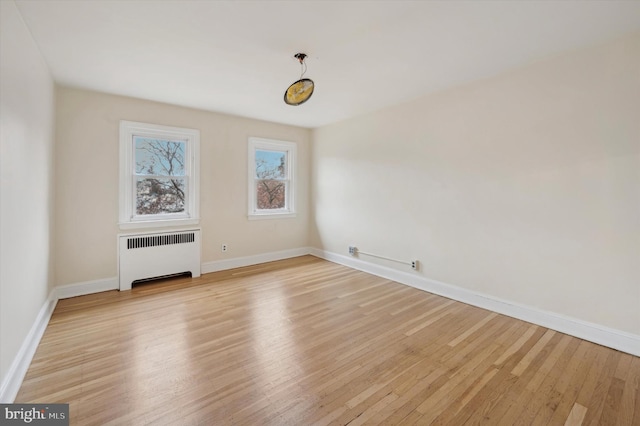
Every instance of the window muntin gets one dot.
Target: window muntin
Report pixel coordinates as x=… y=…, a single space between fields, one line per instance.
x=271 y=168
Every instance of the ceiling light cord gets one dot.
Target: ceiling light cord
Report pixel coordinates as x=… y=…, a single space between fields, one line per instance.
x=303 y=68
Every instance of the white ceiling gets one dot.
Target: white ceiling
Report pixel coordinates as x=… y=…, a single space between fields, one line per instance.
x=237 y=56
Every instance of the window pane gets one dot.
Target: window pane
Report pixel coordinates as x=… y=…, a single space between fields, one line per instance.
x=159 y=156
x=270 y=194
x=271 y=164
x=160 y=196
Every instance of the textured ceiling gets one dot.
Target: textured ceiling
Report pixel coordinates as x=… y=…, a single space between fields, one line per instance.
x=237 y=56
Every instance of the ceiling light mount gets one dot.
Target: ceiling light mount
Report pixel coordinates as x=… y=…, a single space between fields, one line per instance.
x=300 y=91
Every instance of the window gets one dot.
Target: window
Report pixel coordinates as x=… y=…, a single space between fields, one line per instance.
x=271 y=179
x=158 y=175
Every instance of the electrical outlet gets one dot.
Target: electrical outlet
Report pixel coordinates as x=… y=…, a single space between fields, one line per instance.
x=352 y=250
x=224 y=247
x=414 y=264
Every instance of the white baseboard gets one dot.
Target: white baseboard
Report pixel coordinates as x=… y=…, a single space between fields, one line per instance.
x=106 y=284
x=238 y=262
x=83 y=288
x=13 y=380
x=616 y=339
x=602 y=335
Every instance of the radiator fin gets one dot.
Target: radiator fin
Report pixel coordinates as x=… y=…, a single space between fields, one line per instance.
x=160 y=240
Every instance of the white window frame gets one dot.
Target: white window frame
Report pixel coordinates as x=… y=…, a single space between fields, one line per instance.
x=263 y=144
x=128 y=218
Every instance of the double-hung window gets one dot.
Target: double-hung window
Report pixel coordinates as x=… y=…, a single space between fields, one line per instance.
x=271 y=178
x=158 y=175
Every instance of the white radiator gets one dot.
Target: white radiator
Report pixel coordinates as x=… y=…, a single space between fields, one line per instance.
x=145 y=256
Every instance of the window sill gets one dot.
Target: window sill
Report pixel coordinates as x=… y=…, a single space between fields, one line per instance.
x=260 y=216
x=169 y=223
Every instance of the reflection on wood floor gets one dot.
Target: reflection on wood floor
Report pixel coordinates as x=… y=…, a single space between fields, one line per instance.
x=305 y=341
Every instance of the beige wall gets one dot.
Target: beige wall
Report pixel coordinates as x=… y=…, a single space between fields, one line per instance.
x=524 y=186
x=26 y=167
x=87 y=182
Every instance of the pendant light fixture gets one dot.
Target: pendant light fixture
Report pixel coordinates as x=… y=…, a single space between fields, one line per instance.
x=300 y=91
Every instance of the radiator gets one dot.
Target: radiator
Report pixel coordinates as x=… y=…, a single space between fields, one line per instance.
x=155 y=255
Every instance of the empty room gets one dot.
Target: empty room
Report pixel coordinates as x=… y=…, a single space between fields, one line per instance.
x=320 y=212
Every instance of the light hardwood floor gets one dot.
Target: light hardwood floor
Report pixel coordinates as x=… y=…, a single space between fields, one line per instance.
x=305 y=341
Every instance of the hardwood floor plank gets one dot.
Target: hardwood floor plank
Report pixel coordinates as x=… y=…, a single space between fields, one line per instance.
x=306 y=341
x=408 y=395
x=371 y=411
x=431 y=319
x=600 y=390
x=517 y=344
x=326 y=420
x=576 y=416
x=472 y=330
x=437 y=402
x=612 y=403
x=534 y=385
x=630 y=405
x=528 y=358
x=475 y=389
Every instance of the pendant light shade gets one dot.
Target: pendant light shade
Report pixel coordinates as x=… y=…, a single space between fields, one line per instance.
x=300 y=91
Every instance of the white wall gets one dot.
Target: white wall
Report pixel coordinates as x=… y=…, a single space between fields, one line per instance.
x=26 y=197
x=86 y=161
x=525 y=187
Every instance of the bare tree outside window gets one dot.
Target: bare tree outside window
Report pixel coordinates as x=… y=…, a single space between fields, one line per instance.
x=271 y=175
x=160 y=174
